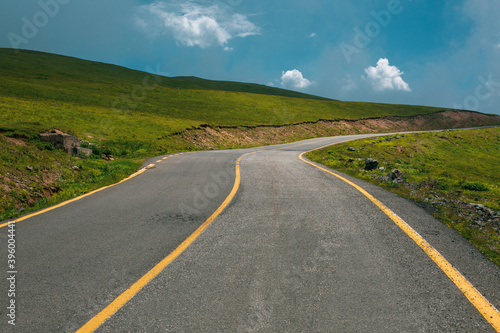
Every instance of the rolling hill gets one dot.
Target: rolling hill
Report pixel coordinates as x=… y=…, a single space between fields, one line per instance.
x=127 y=115
x=41 y=91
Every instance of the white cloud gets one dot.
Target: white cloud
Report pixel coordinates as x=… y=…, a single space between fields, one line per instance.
x=294 y=79
x=193 y=24
x=386 y=77
x=312 y=35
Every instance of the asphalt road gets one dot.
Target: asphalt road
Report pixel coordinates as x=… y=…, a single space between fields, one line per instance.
x=296 y=250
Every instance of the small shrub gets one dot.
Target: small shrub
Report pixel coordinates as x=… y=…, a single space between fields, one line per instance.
x=45 y=145
x=17 y=134
x=442 y=184
x=473 y=186
x=140 y=152
x=393 y=184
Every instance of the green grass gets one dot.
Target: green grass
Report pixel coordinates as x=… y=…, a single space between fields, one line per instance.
x=33 y=177
x=95 y=101
x=128 y=114
x=457 y=165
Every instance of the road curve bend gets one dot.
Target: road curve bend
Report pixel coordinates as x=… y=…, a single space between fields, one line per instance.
x=252 y=240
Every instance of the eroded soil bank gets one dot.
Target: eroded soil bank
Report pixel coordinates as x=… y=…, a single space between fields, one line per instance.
x=32 y=177
x=207 y=137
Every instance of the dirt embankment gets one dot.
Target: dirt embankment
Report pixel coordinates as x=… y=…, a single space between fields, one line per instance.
x=231 y=137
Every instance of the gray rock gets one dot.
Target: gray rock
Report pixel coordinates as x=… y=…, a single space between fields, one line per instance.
x=351 y=149
x=382 y=169
x=397 y=176
x=61 y=140
x=84 y=151
x=371 y=163
x=480 y=223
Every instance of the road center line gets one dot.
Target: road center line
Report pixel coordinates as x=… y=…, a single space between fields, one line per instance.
x=121 y=300
x=128 y=294
x=489 y=312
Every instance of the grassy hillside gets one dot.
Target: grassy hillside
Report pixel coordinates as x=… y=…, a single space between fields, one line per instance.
x=128 y=115
x=32 y=176
x=454 y=175
x=95 y=101
x=44 y=66
x=195 y=83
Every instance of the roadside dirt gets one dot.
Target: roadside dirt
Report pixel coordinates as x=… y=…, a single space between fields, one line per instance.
x=238 y=137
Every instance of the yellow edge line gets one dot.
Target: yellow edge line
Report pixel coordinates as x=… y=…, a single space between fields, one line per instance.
x=94 y=191
x=128 y=294
x=489 y=312
x=114 y=306
x=64 y=203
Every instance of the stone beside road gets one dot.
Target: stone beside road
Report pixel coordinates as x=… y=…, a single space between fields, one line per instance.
x=371 y=164
x=69 y=143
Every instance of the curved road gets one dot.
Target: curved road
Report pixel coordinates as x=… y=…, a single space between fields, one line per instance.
x=296 y=249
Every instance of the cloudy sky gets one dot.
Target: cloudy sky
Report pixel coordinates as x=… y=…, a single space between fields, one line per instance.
x=440 y=53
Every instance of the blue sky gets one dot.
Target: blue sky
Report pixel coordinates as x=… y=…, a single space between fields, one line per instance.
x=439 y=53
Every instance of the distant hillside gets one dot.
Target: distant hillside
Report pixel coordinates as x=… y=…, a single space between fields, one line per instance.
x=192 y=82
x=40 y=65
x=125 y=115
x=140 y=112
x=40 y=91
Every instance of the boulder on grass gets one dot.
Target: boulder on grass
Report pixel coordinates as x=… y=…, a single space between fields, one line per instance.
x=371 y=164
x=69 y=143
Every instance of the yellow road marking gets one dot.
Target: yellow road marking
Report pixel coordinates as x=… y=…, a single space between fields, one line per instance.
x=164 y=158
x=121 y=300
x=489 y=312
x=64 y=203
x=84 y=195
x=114 y=306
x=485 y=308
